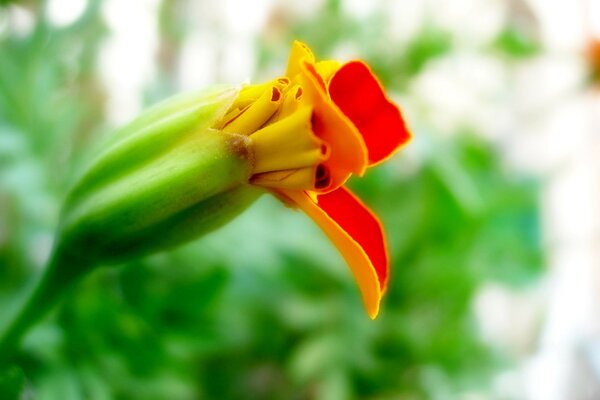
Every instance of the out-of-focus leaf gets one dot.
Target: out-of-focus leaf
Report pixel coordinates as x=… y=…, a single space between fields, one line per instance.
x=516 y=43
x=12 y=384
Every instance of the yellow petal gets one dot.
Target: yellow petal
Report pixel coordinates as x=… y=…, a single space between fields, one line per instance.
x=287 y=144
x=298 y=54
x=291 y=179
x=256 y=114
x=327 y=68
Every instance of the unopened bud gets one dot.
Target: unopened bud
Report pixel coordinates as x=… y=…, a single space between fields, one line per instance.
x=164 y=179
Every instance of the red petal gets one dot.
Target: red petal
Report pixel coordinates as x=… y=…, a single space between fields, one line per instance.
x=361 y=224
x=356 y=233
x=358 y=93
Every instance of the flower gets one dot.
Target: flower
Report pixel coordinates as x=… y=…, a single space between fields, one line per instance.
x=309 y=132
x=190 y=164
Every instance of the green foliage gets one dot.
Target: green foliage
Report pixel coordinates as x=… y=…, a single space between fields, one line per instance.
x=50 y=107
x=12 y=384
x=516 y=43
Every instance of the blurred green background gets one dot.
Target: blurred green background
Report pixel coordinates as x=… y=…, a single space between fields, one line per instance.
x=265 y=308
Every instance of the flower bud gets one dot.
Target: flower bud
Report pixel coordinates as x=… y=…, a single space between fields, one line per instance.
x=164 y=179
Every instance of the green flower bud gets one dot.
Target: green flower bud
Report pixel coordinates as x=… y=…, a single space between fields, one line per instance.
x=164 y=179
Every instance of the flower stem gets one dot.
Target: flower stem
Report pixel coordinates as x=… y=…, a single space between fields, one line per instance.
x=59 y=275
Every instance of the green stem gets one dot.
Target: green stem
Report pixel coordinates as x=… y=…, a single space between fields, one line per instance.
x=58 y=277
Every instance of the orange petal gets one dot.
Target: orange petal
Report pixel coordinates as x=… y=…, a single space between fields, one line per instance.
x=358 y=93
x=348 y=151
x=357 y=234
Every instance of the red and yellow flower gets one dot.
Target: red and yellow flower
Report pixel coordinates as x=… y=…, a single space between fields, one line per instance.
x=191 y=163
x=309 y=132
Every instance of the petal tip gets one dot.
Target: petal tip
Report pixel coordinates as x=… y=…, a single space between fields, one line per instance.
x=373 y=308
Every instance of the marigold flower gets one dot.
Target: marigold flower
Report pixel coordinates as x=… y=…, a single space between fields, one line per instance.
x=189 y=165
x=309 y=132
x=192 y=162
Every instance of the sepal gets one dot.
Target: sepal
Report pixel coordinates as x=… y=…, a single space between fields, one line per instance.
x=164 y=179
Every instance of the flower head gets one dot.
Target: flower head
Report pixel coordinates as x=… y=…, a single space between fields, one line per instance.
x=309 y=132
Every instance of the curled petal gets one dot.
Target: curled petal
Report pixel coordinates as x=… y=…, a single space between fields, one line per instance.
x=348 y=151
x=358 y=93
x=287 y=144
x=255 y=114
x=299 y=54
x=358 y=236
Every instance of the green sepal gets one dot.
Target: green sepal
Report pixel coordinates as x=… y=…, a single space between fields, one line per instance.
x=151 y=133
x=164 y=179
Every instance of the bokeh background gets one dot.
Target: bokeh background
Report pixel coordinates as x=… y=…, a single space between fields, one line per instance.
x=492 y=212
